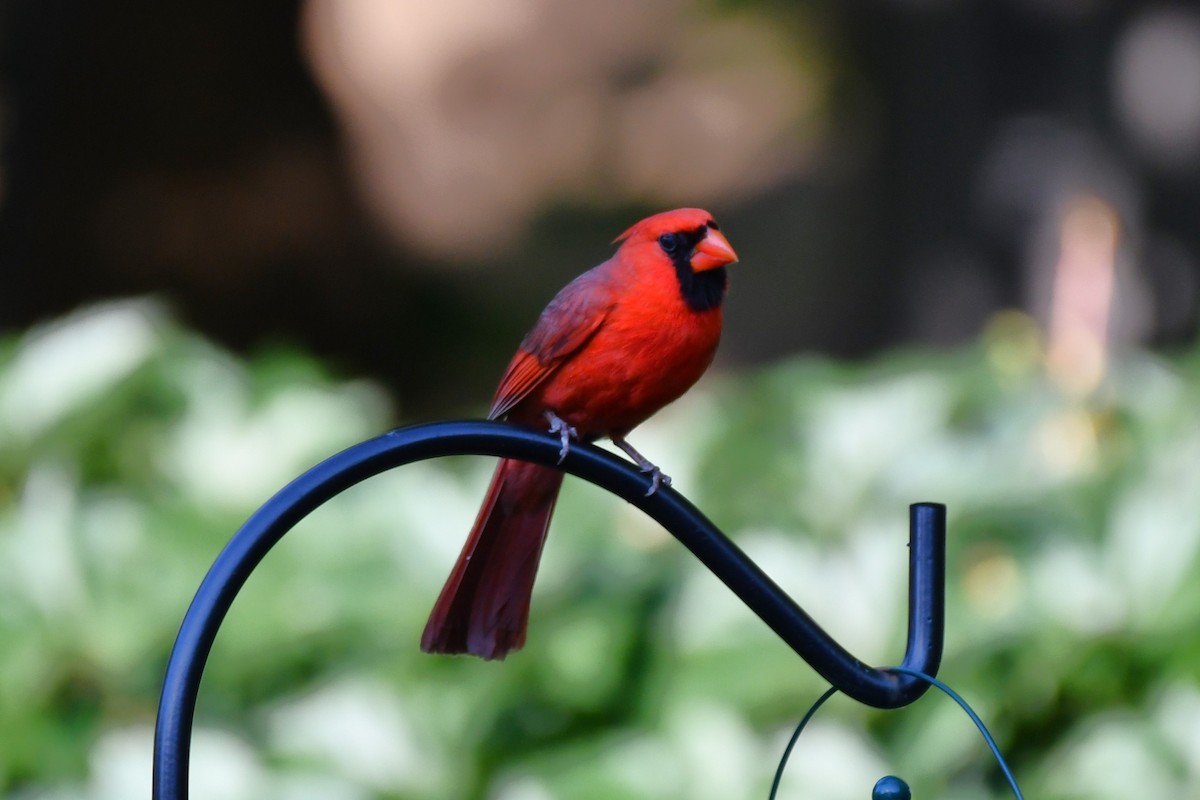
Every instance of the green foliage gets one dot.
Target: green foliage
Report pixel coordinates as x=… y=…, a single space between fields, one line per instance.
x=132 y=450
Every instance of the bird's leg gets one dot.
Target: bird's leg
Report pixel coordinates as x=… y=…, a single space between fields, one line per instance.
x=657 y=477
x=565 y=432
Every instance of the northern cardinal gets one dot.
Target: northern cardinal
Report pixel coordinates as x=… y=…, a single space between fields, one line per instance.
x=614 y=346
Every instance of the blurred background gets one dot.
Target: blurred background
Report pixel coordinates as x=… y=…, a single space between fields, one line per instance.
x=238 y=237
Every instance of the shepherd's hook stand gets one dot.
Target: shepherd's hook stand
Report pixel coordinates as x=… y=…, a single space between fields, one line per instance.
x=880 y=688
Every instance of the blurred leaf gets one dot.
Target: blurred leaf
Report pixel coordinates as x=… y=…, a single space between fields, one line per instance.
x=1073 y=585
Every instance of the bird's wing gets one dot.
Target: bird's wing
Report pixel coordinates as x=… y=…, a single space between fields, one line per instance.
x=571 y=319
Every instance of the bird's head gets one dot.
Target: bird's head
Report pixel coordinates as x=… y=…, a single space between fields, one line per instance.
x=688 y=240
x=689 y=237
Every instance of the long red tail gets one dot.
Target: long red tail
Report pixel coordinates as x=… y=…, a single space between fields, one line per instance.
x=484 y=607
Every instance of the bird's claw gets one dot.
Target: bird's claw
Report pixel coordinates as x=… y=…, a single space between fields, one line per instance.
x=565 y=432
x=657 y=478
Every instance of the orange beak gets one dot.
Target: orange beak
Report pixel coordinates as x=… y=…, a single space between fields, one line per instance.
x=713 y=251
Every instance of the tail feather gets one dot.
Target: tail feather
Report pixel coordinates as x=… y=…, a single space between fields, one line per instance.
x=484 y=607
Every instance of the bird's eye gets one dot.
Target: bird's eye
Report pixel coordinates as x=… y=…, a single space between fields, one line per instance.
x=669 y=242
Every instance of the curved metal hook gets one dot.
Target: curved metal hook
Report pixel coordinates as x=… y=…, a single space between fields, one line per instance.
x=876 y=687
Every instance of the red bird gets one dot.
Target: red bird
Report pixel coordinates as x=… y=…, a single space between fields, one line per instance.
x=617 y=344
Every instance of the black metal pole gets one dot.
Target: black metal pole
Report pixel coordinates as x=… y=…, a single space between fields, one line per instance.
x=876 y=687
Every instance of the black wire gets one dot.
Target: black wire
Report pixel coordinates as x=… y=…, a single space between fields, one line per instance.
x=787 y=751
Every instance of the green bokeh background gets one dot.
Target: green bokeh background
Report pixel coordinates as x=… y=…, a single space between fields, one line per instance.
x=133 y=449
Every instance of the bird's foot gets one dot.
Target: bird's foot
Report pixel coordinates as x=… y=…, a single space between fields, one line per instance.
x=565 y=432
x=657 y=476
